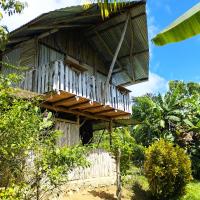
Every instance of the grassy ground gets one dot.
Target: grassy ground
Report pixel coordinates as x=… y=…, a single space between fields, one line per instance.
x=137 y=183
x=136 y=187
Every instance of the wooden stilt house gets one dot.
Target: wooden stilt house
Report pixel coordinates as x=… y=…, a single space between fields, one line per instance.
x=81 y=64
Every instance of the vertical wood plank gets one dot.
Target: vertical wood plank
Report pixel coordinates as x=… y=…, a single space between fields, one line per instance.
x=47 y=78
x=84 y=85
x=55 y=81
x=88 y=86
x=80 y=85
x=43 y=78
x=67 y=78
x=70 y=80
x=39 y=79
x=61 y=75
x=51 y=74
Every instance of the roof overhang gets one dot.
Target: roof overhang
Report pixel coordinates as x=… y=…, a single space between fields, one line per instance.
x=103 y=35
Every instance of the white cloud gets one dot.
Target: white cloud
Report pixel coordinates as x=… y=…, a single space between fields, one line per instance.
x=34 y=9
x=155 y=84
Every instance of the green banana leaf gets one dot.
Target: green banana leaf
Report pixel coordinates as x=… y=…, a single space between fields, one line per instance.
x=186 y=26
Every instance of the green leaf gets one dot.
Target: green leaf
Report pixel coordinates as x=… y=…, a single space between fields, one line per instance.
x=188 y=122
x=162 y=123
x=186 y=26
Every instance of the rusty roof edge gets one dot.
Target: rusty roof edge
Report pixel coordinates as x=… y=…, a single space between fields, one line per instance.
x=132 y=4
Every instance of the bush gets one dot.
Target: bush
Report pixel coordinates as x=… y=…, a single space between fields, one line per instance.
x=167 y=168
x=138 y=155
x=192 y=191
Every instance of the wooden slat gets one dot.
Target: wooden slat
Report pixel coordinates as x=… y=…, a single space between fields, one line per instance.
x=55 y=80
x=80 y=85
x=51 y=71
x=66 y=78
x=70 y=81
x=39 y=79
x=62 y=75
x=47 y=77
x=84 y=84
x=43 y=79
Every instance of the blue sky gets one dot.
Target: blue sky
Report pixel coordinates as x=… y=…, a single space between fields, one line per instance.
x=178 y=61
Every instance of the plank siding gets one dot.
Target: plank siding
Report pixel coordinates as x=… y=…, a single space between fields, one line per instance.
x=70 y=135
x=73 y=43
x=101 y=165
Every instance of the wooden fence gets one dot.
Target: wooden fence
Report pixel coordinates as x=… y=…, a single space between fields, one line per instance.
x=102 y=166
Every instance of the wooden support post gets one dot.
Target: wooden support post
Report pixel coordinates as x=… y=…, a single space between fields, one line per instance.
x=110 y=132
x=115 y=57
x=119 y=184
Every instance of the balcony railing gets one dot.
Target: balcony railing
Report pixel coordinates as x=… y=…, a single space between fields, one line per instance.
x=59 y=77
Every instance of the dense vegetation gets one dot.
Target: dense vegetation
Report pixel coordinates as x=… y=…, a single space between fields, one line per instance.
x=31 y=162
x=167 y=168
x=175 y=118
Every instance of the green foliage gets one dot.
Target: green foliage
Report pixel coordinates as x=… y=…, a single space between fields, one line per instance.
x=31 y=163
x=107 y=6
x=184 y=27
x=192 y=191
x=173 y=116
x=167 y=168
x=122 y=139
x=9 y=7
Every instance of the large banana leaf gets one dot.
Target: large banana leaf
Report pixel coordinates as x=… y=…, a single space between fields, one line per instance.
x=186 y=26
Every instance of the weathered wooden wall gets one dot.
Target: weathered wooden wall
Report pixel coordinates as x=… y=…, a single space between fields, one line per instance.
x=102 y=165
x=70 y=131
x=74 y=44
x=23 y=55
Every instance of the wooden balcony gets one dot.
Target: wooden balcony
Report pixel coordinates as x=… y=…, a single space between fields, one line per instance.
x=73 y=91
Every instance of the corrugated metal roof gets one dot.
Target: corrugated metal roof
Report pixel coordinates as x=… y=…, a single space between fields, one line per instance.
x=129 y=69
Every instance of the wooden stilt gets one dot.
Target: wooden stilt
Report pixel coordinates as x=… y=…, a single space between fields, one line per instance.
x=115 y=58
x=119 y=184
x=110 y=132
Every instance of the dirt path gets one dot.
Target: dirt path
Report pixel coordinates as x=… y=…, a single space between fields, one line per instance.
x=102 y=193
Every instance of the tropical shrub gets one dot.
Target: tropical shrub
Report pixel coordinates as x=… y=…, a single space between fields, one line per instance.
x=167 y=168
x=31 y=162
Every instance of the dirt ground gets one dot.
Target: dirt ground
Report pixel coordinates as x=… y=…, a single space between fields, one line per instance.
x=101 y=193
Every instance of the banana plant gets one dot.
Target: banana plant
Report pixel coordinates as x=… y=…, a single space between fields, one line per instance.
x=106 y=6
x=186 y=26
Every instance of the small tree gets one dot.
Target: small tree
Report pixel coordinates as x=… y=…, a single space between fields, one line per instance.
x=167 y=168
x=31 y=164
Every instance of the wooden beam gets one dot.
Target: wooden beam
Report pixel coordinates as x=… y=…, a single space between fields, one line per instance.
x=63 y=101
x=107 y=48
x=47 y=33
x=80 y=17
x=58 y=26
x=90 y=34
x=104 y=111
x=134 y=54
x=92 y=108
x=78 y=105
x=131 y=49
x=115 y=57
x=16 y=40
x=65 y=110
